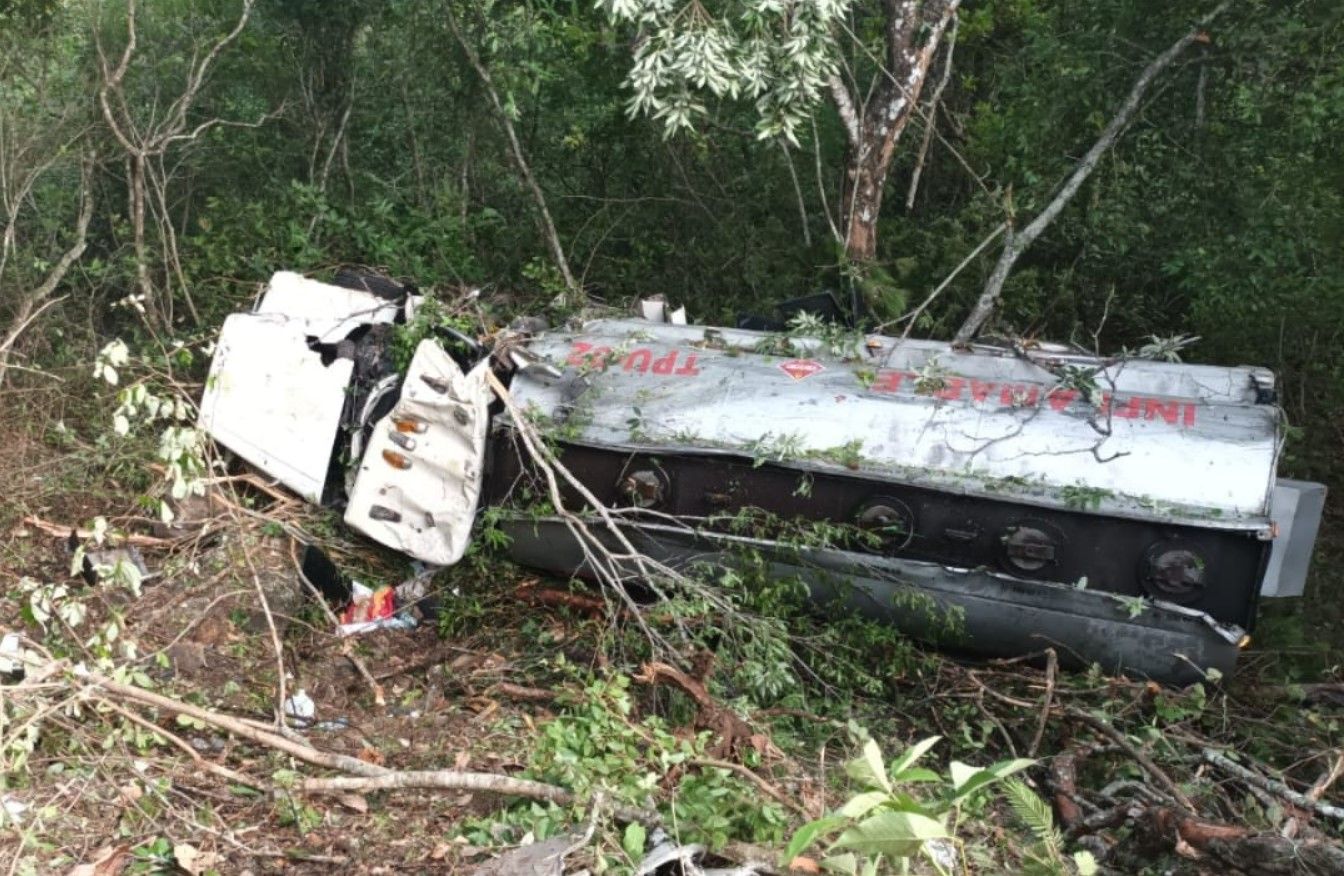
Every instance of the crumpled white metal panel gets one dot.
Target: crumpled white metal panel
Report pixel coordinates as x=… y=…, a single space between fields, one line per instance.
x=329 y=312
x=1171 y=441
x=432 y=503
x=271 y=400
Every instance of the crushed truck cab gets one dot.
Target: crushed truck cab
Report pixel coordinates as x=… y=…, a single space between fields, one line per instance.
x=1125 y=512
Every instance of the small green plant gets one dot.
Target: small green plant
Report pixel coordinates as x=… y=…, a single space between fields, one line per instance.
x=849 y=454
x=931 y=378
x=836 y=340
x=599 y=743
x=1084 y=498
x=155 y=399
x=1046 y=856
x=1134 y=605
x=153 y=856
x=431 y=320
x=1080 y=379
x=775 y=448
x=889 y=821
x=638 y=425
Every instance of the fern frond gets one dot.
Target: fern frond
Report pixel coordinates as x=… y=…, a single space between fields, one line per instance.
x=1035 y=813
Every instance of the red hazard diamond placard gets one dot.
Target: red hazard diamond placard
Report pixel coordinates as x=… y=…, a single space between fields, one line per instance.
x=799 y=369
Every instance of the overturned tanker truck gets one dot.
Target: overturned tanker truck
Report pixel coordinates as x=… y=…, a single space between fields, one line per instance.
x=1125 y=512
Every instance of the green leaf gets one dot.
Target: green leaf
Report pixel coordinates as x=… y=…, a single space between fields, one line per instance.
x=848 y=864
x=914 y=753
x=962 y=773
x=633 y=840
x=916 y=774
x=861 y=805
x=988 y=776
x=1086 y=864
x=868 y=767
x=895 y=834
x=808 y=834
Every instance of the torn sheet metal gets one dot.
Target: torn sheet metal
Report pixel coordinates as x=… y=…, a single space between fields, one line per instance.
x=419 y=481
x=272 y=400
x=277 y=389
x=1179 y=442
x=328 y=313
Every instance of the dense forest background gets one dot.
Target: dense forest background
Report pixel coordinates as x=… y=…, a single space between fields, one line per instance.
x=158 y=167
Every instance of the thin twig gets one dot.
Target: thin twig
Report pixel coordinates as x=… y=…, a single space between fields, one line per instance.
x=453 y=780
x=1142 y=759
x=1051 y=670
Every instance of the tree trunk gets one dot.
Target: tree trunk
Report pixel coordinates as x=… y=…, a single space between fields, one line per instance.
x=874 y=126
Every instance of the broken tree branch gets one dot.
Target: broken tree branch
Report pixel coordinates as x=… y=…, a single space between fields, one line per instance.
x=1051 y=670
x=1273 y=786
x=130 y=538
x=844 y=105
x=237 y=726
x=452 y=780
x=1018 y=242
x=366 y=776
x=181 y=744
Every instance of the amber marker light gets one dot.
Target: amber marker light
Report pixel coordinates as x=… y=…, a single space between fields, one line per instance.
x=396 y=460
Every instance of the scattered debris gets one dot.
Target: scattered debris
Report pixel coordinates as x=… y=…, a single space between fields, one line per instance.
x=11 y=659
x=300 y=707
x=13 y=808
x=545 y=858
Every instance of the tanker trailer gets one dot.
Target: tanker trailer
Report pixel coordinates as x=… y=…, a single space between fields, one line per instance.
x=1125 y=512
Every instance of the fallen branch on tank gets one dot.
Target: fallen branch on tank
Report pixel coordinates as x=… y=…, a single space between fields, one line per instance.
x=616 y=569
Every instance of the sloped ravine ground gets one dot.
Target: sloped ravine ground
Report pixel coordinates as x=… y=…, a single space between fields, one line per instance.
x=167 y=756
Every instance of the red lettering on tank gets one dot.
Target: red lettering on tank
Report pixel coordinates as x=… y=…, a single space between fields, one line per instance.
x=1019 y=395
x=1154 y=408
x=638 y=360
x=585 y=355
x=1060 y=399
x=665 y=364
x=576 y=352
x=951 y=390
x=980 y=390
x=1189 y=414
x=689 y=369
x=1130 y=410
x=887 y=381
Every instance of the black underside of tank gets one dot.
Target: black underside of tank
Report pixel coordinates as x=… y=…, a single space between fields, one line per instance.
x=1112 y=554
